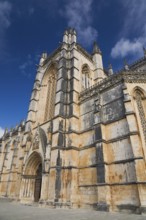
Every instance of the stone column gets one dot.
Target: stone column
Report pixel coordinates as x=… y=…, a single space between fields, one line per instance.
x=28 y=188
x=22 y=189
x=97 y=58
x=44 y=187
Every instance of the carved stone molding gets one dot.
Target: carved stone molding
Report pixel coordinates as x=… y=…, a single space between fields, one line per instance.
x=141 y=113
x=128 y=77
x=36 y=140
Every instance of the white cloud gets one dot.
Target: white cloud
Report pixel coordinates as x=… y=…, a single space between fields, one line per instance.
x=135 y=18
x=5 y=10
x=133 y=34
x=1 y=132
x=79 y=16
x=126 y=47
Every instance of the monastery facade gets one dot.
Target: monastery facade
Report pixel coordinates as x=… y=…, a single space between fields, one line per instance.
x=83 y=144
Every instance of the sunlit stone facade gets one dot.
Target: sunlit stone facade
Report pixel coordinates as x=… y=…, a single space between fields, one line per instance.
x=83 y=144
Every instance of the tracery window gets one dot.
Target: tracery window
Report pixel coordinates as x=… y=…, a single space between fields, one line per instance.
x=15 y=153
x=86 y=80
x=51 y=91
x=142 y=115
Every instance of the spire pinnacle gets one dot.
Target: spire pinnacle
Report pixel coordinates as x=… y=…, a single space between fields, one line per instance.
x=96 y=48
x=126 y=66
x=110 y=70
x=69 y=36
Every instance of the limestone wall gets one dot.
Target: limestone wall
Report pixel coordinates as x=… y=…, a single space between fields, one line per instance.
x=86 y=133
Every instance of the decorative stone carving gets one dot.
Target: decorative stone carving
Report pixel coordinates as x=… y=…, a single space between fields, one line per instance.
x=94 y=150
x=141 y=113
x=36 y=140
x=86 y=81
x=50 y=102
x=96 y=106
x=129 y=77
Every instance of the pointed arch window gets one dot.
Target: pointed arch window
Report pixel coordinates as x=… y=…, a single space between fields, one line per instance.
x=139 y=97
x=51 y=91
x=86 y=80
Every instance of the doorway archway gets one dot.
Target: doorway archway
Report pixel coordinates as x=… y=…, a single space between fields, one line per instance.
x=38 y=183
x=32 y=179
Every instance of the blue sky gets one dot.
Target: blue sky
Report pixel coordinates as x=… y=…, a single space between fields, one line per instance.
x=30 y=27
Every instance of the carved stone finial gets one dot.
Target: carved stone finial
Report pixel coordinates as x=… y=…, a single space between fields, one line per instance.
x=6 y=131
x=43 y=57
x=96 y=48
x=65 y=32
x=11 y=133
x=69 y=36
x=23 y=122
x=16 y=127
x=74 y=32
x=19 y=129
x=70 y=30
x=110 y=70
x=126 y=66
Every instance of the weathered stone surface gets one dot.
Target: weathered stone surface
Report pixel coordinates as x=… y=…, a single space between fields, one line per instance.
x=87 y=132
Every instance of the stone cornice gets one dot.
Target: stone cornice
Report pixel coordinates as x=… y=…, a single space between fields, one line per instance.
x=125 y=76
x=135 y=77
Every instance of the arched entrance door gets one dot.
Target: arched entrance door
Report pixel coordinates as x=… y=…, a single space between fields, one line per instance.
x=38 y=183
x=32 y=179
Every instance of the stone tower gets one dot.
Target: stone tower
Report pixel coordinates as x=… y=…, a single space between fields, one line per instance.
x=83 y=143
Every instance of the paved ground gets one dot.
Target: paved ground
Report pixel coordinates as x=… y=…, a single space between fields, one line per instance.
x=16 y=211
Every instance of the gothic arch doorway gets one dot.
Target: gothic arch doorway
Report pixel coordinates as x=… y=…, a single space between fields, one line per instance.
x=32 y=179
x=38 y=183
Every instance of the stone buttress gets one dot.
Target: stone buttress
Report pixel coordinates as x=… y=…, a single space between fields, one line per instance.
x=83 y=143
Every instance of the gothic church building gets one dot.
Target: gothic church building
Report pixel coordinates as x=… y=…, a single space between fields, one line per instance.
x=84 y=140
